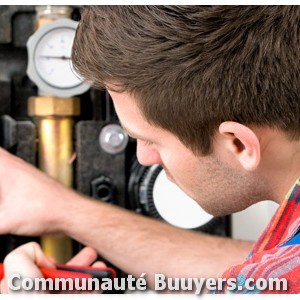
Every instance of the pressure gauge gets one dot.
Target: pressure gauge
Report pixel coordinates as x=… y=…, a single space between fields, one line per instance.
x=49 y=59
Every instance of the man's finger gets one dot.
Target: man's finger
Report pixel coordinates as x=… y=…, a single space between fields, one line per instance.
x=99 y=264
x=3 y=287
x=84 y=258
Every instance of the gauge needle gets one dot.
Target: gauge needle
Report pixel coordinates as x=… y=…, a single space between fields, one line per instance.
x=55 y=57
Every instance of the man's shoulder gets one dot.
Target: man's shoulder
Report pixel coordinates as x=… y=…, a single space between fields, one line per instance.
x=278 y=269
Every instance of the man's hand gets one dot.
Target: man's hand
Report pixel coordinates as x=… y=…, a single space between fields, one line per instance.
x=27 y=259
x=30 y=201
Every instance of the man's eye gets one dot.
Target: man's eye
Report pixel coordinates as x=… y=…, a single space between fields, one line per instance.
x=146 y=143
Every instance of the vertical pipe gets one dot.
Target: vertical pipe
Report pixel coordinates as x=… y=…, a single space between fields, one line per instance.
x=55 y=151
x=54 y=119
x=56 y=147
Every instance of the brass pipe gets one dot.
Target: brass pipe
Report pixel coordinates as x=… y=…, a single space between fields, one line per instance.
x=54 y=119
x=55 y=151
x=56 y=147
x=49 y=13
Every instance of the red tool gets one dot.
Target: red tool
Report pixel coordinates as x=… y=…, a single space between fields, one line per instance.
x=66 y=271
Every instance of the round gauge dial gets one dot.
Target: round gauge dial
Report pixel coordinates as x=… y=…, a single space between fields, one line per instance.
x=53 y=58
x=49 y=59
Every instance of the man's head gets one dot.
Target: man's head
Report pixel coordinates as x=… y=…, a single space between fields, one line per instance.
x=191 y=68
x=210 y=77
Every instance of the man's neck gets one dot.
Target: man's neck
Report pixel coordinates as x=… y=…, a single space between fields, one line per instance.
x=280 y=162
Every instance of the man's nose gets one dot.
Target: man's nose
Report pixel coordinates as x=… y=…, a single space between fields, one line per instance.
x=147 y=155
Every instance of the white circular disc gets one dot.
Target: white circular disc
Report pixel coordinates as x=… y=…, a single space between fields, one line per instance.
x=53 y=58
x=175 y=206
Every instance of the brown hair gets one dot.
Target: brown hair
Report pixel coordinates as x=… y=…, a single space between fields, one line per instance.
x=193 y=67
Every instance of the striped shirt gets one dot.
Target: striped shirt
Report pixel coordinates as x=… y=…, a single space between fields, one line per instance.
x=276 y=254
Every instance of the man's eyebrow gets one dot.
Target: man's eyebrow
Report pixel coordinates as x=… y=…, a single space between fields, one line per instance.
x=131 y=134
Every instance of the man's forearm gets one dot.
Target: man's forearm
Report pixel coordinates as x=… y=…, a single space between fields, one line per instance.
x=132 y=242
x=137 y=244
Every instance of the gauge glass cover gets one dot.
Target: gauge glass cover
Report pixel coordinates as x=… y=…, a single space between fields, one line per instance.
x=53 y=58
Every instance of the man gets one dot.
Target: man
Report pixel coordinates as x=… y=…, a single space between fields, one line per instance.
x=211 y=94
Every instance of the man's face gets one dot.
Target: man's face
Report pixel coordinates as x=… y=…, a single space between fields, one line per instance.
x=211 y=182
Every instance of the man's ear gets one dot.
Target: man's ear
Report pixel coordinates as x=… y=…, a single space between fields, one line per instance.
x=242 y=142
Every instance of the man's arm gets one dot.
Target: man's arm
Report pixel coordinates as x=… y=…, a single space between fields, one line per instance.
x=31 y=203
x=137 y=244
